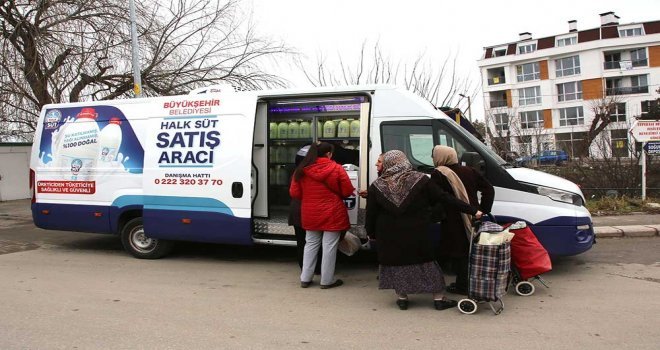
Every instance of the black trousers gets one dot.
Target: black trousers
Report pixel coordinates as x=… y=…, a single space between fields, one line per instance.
x=300 y=248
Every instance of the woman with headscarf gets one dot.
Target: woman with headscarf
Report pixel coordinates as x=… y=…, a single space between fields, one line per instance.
x=398 y=218
x=462 y=182
x=321 y=185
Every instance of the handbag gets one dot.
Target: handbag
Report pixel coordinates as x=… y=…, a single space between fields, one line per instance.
x=350 y=244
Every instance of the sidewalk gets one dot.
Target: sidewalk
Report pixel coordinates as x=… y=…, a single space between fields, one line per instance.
x=635 y=225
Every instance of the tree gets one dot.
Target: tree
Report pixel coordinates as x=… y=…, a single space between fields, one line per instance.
x=441 y=86
x=602 y=109
x=55 y=51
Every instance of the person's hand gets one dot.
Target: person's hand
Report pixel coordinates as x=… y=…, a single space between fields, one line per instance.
x=363 y=193
x=479 y=214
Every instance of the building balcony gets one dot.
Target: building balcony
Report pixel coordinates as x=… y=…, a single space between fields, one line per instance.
x=496 y=80
x=625 y=64
x=627 y=90
x=498 y=103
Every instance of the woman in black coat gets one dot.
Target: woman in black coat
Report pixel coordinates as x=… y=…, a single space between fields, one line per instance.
x=462 y=182
x=398 y=218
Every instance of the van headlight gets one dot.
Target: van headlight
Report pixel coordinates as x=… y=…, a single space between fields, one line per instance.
x=560 y=196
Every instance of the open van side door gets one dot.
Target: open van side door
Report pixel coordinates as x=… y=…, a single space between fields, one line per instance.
x=197 y=169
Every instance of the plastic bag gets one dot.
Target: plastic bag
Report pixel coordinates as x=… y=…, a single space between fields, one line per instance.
x=495 y=238
x=350 y=244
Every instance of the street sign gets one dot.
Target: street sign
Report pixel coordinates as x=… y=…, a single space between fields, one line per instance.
x=652 y=147
x=646 y=130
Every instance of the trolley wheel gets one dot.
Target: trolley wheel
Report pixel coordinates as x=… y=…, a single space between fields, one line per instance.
x=525 y=288
x=467 y=306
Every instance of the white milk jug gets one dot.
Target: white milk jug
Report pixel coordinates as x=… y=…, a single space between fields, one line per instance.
x=329 y=129
x=344 y=128
x=110 y=140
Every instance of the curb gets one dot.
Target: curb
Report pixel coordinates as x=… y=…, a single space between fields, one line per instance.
x=627 y=231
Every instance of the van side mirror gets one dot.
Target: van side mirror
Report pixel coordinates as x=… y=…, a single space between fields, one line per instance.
x=474 y=160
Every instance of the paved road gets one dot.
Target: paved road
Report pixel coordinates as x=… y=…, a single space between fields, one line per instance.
x=65 y=290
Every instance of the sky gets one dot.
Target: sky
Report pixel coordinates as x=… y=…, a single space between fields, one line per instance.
x=434 y=28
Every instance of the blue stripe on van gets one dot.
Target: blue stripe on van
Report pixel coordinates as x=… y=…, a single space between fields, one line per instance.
x=560 y=235
x=72 y=217
x=204 y=226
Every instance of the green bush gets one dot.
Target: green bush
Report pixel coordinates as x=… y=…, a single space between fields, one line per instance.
x=620 y=205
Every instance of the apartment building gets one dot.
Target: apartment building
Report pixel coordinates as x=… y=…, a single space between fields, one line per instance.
x=545 y=93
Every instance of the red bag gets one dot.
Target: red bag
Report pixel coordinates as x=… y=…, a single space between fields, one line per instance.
x=527 y=254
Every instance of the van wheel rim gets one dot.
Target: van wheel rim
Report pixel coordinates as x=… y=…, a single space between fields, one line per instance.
x=140 y=242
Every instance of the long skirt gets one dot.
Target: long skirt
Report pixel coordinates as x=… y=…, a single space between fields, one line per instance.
x=412 y=279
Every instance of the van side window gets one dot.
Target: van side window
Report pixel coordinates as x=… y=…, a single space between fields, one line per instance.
x=415 y=140
x=447 y=139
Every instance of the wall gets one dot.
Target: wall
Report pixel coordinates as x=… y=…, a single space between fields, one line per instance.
x=14 y=171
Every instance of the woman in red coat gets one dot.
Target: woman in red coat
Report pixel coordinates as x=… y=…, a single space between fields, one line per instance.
x=321 y=185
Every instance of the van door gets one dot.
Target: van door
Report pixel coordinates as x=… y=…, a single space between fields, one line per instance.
x=197 y=170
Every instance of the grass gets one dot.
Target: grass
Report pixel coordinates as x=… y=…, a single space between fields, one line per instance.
x=621 y=205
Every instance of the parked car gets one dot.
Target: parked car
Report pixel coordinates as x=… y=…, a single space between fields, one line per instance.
x=556 y=157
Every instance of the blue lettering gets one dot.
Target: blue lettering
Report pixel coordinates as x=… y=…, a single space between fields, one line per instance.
x=163 y=141
x=177 y=140
x=213 y=139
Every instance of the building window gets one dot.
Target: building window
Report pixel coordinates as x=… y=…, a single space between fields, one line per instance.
x=612 y=60
x=567 y=66
x=571 y=116
x=567 y=41
x=572 y=143
x=630 y=32
x=619 y=139
x=499 y=52
x=528 y=71
x=495 y=76
x=639 y=84
x=569 y=91
x=501 y=122
x=529 y=96
x=634 y=84
x=650 y=110
x=618 y=113
x=638 y=58
x=526 y=48
x=531 y=119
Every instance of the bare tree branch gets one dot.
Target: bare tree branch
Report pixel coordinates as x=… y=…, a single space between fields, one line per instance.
x=54 y=51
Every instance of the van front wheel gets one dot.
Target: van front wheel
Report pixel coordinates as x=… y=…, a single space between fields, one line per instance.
x=139 y=245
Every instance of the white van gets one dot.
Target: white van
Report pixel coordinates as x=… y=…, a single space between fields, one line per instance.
x=215 y=167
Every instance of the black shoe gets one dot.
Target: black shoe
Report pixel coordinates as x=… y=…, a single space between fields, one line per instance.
x=402 y=303
x=454 y=289
x=305 y=284
x=336 y=283
x=444 y=304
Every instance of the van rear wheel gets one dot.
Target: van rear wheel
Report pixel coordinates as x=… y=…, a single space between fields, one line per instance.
x=139 y=245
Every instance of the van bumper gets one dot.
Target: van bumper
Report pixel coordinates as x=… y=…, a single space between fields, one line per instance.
x=566 y=240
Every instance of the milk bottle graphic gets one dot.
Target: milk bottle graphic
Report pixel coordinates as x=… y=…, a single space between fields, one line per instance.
x=79 y=147
x=110 y=140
